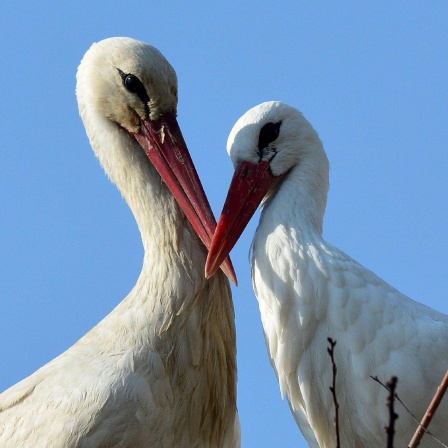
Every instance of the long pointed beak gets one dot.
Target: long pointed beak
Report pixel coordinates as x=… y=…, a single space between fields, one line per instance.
x=249 y=186
x=164 y=145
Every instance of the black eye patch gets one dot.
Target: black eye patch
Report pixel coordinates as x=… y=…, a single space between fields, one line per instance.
x=268 y=133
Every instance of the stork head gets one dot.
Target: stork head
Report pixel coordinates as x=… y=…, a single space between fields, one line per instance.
x=265 y=145
x=127 y=97
x=127 y=82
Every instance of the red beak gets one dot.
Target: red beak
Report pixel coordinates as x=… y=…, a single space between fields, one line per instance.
x=249 y=186
x=164 y=145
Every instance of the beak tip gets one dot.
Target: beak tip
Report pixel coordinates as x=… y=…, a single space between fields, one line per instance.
x=212 y=267
x=229 y=271
x=209 y=270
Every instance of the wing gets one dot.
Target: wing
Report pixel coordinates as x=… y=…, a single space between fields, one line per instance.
x=175 y=385
x=310 y=292
x=383 y=333
x=107 y=405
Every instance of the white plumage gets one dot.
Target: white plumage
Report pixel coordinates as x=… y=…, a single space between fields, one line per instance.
x=160 y=369
x=308 y=290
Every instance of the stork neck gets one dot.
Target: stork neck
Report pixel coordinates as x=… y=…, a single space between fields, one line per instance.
x=299 y=200
x=288 y=245
x=158 y=216
x=171 y=254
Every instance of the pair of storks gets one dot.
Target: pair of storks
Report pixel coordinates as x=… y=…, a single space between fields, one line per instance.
x=160 y=369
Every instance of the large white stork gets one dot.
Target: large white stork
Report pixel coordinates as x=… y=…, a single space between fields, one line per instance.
x=160 y=369
x=308 y=290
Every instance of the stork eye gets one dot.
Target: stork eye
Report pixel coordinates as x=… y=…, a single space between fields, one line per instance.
x=134 y=85
x=268 y=133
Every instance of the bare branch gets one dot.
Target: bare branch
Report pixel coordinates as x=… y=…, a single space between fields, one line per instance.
x=333 y=390
x=426 y=420
x=390 y=430
x=375 y=378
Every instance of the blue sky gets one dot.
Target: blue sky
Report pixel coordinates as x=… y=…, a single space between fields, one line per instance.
x=372 y=77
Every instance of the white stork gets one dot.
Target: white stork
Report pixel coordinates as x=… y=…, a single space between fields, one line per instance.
x=308 y=290
x=160 y=369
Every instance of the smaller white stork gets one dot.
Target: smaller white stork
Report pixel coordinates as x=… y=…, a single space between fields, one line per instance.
x=308 y=290
x=160 y=370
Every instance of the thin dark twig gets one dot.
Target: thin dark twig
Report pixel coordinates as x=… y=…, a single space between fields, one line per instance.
x=333 y=390
x=390 y=430
x=426 y=420
x=375 y=378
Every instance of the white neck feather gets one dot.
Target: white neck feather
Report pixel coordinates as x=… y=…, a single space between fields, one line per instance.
x=300 y=198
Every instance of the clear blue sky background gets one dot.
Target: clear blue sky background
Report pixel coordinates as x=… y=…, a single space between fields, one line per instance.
x=372 y=77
